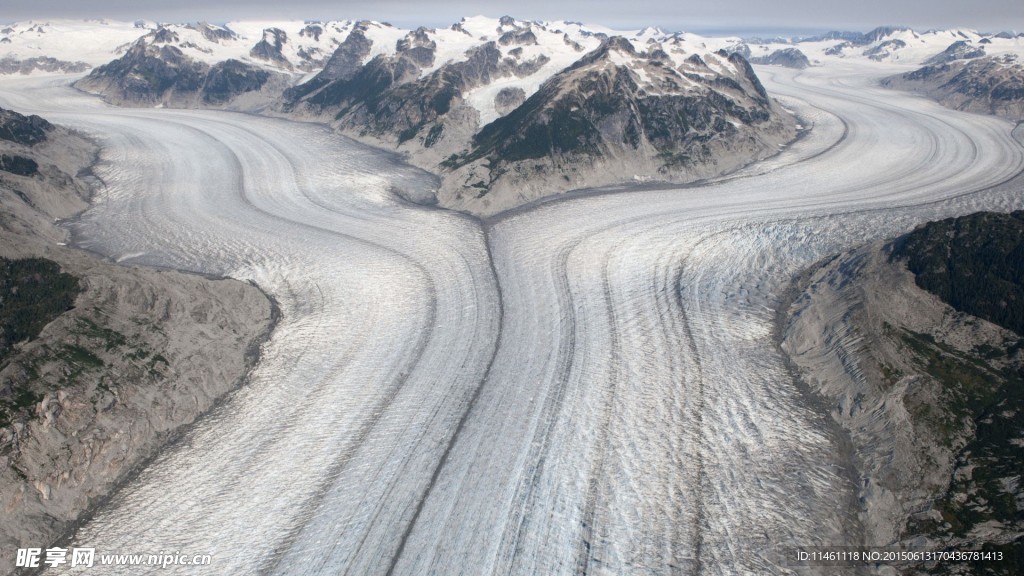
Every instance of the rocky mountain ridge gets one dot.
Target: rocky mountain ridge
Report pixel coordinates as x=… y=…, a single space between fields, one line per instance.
x=530 y=108
x=673 y=106
x=651 y=106
x=152 y=74
x=982 y=84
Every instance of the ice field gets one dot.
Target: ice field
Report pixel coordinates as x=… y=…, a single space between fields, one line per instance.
x=588 y=385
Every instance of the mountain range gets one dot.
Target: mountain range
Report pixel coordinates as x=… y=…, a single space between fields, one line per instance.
x=508 y=111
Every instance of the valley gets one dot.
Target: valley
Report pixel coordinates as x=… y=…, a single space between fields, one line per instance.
x=586 y=383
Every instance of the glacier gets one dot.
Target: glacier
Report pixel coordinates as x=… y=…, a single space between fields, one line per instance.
x=585 y=385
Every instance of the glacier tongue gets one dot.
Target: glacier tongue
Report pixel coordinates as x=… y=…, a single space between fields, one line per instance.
x=589 y=385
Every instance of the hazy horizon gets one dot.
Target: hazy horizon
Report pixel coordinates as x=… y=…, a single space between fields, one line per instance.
x=745 y=17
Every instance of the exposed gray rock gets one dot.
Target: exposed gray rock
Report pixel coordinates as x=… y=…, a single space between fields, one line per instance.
x=163 y=35
x=343 y=65
x=522 y=37
x=11 y=65
x=215 y=33
x=418 y=47
x=389 y=100
x=348 y=58
x=884 y=49
x=312 y=31
x=787 y=57
x=837 y=50
x=742 y=49
x=269 y=48
x=989 y=85
x=146 y=74
x=959 y=50
x=508 y=99
x=227 y=79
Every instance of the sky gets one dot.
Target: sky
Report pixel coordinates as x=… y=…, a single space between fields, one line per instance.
x=754 y=16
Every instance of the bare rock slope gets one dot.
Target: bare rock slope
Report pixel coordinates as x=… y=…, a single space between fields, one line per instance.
x=104 y=385
x=987 y=85
x=930 y=397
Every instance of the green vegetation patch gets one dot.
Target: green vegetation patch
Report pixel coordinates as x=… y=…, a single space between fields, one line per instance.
x=989 y=467
x=974 y=263
x=33 y=292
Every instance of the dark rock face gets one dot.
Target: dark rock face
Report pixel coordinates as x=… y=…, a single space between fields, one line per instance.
x=269 y=48
x=522 y=37
x=857 y=38
x=881 y=32
x=787 y=57
x=227 y=79
x=616 y=113
x=508 y=99
x=348 y=58
x=993 y=85
x=343 y=65
x=418 y=47
x=959 y=50
x=21 y=129
x=147 y=74
x=847 y=37
x=974 y=263
x=18 y=165
x=312 y=31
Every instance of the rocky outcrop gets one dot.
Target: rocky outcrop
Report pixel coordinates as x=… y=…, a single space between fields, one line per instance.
x=269 y=48
x=149 y=74
x=788 y=57
x=987 y=85
x=959 y=50
x=885 y=50
x=213 y=33
x=21 y=129
x=18 y=165
x=342 y=66
x=102 y=387
x=930 y=398
x=10 y=65
x=348 y=58
x=858 y=38
x=227 y=80
x=508 y=99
